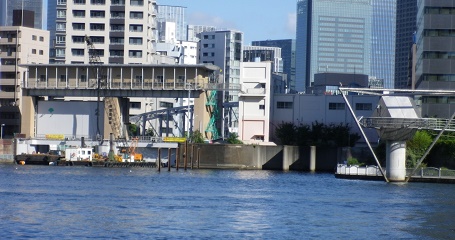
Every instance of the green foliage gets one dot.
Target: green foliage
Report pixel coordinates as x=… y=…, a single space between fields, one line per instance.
x=234 y=139
x=133 y=130
x=416 y=147
x=318 y=134
x=197 y=137
x=354 y=161
x=286 y=132
x=150 y=132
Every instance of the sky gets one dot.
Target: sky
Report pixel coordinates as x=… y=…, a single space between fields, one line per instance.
x=257 y=19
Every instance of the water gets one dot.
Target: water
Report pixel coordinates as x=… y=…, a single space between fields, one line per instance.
x=45 y=202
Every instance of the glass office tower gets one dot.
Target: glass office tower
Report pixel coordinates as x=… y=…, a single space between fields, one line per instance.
x=37 y=6
x=332 y=36
x=383 y=41
x=174 y=14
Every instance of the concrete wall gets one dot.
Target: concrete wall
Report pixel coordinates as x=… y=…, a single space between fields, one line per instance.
x=217 y=156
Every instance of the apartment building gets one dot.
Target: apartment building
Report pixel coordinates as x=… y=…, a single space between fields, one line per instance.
x=18 y=45
x=122 y=31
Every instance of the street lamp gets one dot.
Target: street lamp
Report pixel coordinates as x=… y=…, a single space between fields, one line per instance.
x=1 y=133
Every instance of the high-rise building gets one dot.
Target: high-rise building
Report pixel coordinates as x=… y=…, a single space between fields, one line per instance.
x=287 y=54
x=121 y=31
x=224 y=49
x=18 y=45
x=435 y=55
x=38 y=7
x=383 y=41
x=174 y=14
x=194 y=31
x=406 y=27
x=332 y=36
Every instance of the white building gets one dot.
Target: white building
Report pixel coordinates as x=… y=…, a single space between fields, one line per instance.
x=254 y=102
x=121 y=31
x=18 y=45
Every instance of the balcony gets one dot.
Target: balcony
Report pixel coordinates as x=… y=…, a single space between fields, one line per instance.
x=7 y=55
x=7 y=81
x=7 y=94
x=5 y=41
x=252 y=92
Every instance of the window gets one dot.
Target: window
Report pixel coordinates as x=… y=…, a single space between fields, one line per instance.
x=166 y=105
x=336 y=106
x=118 y=2
x=97 y=26
x=363 y=106
x=135 y=105
x=42 y=78
x=261 y=106
x=181 y=79
x=77 y=52
x=78 y=26
x=41 y=39
x=79 y=2
x=34 y=37
x=60 y=39
x=83 y=78
x=117 y=27
x=41 y=52
x=136 y=15
x=135 y=54
x=78 y=39
x=78 y=13
x=60 y=52
x=136 y=41
x=284 y=105
x=116 y=53
x=117 y=40
x=62 y=78
x=97 y=40
x=97 y=14
x=117 y=14
x=135 y=28
x=61 y=13
x=159 y=79
x=61 y=2
x=33 y=51
x=137 y=2
x=60 y=26
x=98 y=2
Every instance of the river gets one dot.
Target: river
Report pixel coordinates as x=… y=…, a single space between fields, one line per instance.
x=50 y=202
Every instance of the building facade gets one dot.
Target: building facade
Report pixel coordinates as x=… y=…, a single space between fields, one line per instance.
x=18 y=45
x=435 y=55
x=287 y=54
x=224 y=49
x=38 y=7
x=194 y=31
x=332 y=36
x=174 y=14
x=121 y=31
x=262 y=54
x=383 y=42
x=406 y=28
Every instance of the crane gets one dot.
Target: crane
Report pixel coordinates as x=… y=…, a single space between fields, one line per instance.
x=94 y=58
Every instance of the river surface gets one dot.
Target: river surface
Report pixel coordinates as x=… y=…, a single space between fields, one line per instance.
x=50 y=202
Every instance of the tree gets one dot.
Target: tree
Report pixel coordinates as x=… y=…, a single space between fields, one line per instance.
x=234 y=139
x=197 y=137
x=286 y=132
x=416 y=147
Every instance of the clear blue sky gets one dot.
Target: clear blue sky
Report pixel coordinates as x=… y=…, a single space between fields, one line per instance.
x=257 y=19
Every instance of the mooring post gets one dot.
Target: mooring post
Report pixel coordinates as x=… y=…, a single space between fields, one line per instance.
x=177 y=158
x=198 y=157
x=159 y=159
x=169 y=159
x=192 y=155
x=185 y=155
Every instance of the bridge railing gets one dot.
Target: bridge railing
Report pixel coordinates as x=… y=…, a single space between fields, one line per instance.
x=416 y=123
x=371 y=170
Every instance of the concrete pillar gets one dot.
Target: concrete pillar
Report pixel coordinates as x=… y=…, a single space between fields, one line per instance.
x=313 y=158
x=396 y=161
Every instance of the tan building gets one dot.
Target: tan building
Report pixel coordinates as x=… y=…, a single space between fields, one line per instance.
x=18 y=45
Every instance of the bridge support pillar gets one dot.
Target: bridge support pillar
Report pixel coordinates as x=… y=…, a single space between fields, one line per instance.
x=396 y=161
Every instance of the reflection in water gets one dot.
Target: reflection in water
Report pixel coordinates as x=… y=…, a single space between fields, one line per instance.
x=72 y=202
